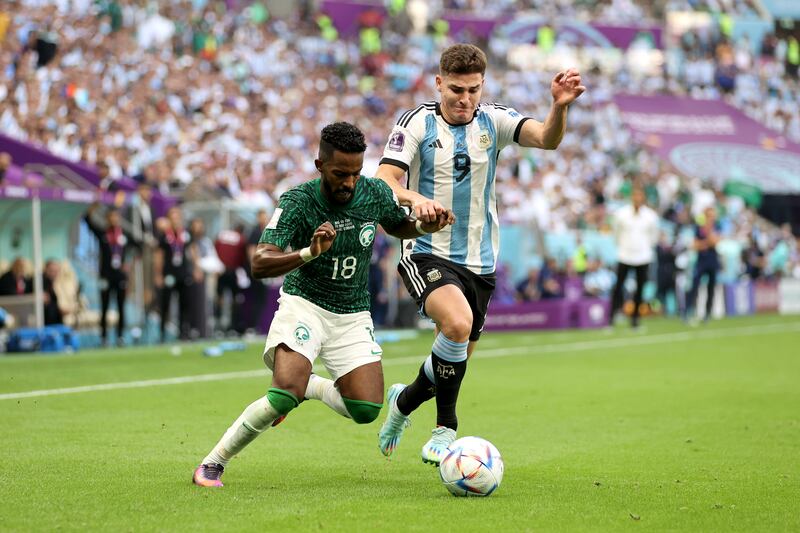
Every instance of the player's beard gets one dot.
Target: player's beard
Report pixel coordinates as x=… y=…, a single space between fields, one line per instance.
x=341 y=195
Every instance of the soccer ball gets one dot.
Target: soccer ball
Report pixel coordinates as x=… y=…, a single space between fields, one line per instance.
x=473 y=467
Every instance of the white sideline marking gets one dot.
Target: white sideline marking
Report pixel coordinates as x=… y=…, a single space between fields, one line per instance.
x=399 y=361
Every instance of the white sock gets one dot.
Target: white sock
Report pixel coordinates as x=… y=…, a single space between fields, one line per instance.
x=254 y=420
x=325 y=390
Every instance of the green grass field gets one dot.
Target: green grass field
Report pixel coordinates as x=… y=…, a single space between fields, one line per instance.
x=672 y=429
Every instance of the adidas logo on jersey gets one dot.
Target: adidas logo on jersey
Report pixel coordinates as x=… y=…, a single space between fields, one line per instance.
x=436 y=144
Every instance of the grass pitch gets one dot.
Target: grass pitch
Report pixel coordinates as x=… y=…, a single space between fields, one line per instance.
x=672 y=429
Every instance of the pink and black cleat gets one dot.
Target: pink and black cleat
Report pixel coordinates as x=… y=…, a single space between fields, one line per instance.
x=208 y=475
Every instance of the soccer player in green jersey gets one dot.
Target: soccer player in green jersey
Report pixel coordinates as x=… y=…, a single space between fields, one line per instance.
x=330 y=224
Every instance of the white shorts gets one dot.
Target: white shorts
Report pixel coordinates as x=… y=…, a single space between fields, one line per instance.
x=342 y=342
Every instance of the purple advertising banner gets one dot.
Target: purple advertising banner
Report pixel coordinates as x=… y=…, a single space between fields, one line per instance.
x=548 y=314
x=24 y=153
x=464 y=24
x=18 y=192
x=345 y=13
x=709 y=139
x=740 y=299
x=525 y=28
x=543 y=314
x=591 y=313
x=519 y=28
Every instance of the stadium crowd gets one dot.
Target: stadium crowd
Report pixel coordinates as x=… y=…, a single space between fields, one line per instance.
x=204 y=102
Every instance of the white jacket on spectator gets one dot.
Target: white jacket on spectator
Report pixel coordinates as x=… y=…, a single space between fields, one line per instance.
x=635 y=234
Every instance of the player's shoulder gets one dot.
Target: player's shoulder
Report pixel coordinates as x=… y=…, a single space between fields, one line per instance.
x=494 y=109
x=301 y=191
x=417 y=114
x=375 y=186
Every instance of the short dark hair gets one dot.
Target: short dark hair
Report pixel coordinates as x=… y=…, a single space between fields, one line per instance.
x=462 y=59
x=342 y=137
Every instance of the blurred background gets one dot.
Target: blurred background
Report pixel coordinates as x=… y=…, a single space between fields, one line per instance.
x=188 y=119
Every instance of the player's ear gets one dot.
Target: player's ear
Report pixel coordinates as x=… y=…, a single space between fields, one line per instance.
x=438 y=82
x=318 y=164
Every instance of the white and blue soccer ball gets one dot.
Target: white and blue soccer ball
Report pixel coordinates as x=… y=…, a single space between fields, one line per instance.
x=473 y=467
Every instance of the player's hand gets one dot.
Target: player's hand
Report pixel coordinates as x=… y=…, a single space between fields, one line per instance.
x=427 y=210
x=566 y=87
x=444 y=219
x=322 y=239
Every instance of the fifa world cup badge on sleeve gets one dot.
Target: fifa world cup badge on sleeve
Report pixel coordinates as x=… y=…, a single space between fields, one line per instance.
x=397 y=141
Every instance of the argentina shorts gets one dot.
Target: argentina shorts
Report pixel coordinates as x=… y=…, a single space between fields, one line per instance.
x=424 y=273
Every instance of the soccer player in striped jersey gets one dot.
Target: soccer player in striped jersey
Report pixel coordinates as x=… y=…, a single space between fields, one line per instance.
x=330 y=224
x=449 y=150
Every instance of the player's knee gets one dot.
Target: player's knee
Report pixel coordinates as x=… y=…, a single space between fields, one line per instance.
x=282 y=400
x=457 y=328
x=361 y=411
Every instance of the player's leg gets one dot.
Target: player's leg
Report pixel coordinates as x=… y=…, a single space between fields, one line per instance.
x=641 y=279
x=711 y=284
x=362 y=392
x=450 y=309
x=166 y=300
x=617 y=295
x=119 y=288
x=289 y=380
x=105 y=297
x=353 y=359
x=691 y=297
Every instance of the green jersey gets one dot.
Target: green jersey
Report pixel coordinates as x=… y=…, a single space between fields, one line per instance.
x=337 y=279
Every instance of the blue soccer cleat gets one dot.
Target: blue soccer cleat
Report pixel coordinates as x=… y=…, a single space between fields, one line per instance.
x=437 y=448
x=396 y=422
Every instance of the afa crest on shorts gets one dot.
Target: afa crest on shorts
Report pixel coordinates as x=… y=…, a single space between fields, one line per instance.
x=301 y=334
x=433 y=275
x=367 y=234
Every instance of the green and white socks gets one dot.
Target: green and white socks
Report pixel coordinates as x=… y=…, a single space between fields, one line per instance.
x=325 y=390
x=256 y=418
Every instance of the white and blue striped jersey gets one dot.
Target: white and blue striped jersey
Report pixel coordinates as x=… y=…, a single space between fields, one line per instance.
x=455 y=165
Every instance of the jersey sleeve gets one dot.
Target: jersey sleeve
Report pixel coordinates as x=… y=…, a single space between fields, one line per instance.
x=391 y=213
x=508 y=123
x=285 y=222
x=401 y=148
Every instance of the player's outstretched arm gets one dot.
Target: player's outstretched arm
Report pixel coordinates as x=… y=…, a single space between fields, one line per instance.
x=425 y=209
x=411 y=229
x=269 y=261
x=565 y=88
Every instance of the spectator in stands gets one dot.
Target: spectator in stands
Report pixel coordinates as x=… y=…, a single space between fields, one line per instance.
x=173 y=274
x=14 y=282
x=636 y=234
x=52 y=311
x=379 y=270
x=753 y=260
x=549 y=282
x=144 y=231
x=598 y=281
x=706 y=238
x=115 y=242
x=232 y=250
x=528 y=288
x=259 y=286
x=5 y=162
x=205 y=263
